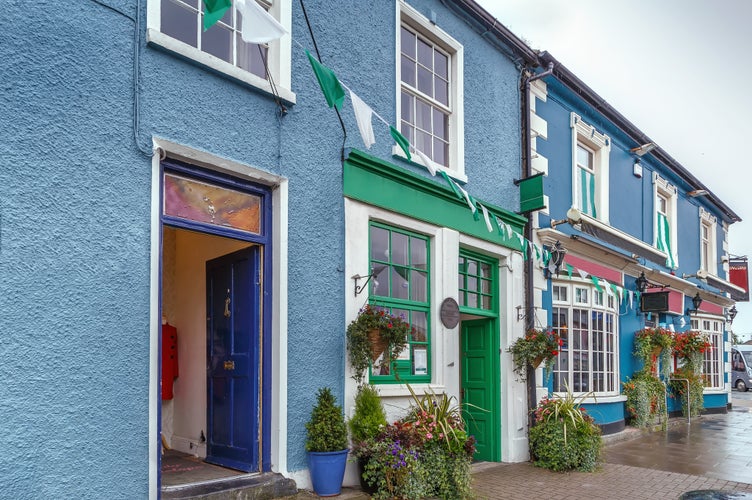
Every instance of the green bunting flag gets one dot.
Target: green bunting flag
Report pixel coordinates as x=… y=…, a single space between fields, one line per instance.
x=214 y=10
x=401 y=141
x=448 y=181
x=330 y=86
x=570 y=268
x=595 y=282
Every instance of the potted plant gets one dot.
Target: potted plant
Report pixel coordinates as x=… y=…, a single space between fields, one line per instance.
x=326 y=444
x=536 y=347
x=687 y=382
x=564 y=436
x=375 y=333
x=369 y=418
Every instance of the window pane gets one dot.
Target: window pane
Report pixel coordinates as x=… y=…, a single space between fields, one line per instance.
x=419 y=321
x=486 y=303
x=400 y=248
x=423 y=115
x=440 y=152
x=472 y=300
x=485 y=270
x=217 y=41
x=419 y=286
x=584 y=157
x=425 y=54
x=409 y=132
x=178 y=21
x=400 y=276
x=423 y=142
x=251 y=56
x=425 y=81
x=441 y=91
x=418 y=253
x=441 y=65
x=407 y=42
x=380 y=282
x=472 y=267
x=440 y=124
x=408 y=71
x=379 y=243
x=407 y=107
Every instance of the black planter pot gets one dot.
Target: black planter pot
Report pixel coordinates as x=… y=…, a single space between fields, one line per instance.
x=363 y=484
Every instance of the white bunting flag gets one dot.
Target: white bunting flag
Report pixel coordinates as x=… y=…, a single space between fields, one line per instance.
x=631 y=298
x=486 y=217
x=257 y=25
x=363 y=114
x=425 y=160
x=467 y=197
x=583 y=274
x=607 y=286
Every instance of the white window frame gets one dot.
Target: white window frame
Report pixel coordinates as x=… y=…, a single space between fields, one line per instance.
x=600 y=145
x=712 y=364
x=591 y=300
x=709 y=260
x=405 y=14
x=278 y=58
x=663 y=188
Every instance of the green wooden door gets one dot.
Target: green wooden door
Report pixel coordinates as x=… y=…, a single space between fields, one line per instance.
x=480 y=386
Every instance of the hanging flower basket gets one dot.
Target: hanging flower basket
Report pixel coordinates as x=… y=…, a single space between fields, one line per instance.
x=534 y=348
x=375 y=332
x=378 y=344
x=537 y=361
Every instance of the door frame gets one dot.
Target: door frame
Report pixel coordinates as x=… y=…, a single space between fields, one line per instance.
x=264 y=240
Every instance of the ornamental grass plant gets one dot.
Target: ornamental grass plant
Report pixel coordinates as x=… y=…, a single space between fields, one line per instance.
x=535 y=347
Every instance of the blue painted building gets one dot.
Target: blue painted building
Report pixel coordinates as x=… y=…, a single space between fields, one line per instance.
x=623 y=209
x=182 y=217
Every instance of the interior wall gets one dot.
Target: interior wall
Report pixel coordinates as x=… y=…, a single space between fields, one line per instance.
x=184 y=302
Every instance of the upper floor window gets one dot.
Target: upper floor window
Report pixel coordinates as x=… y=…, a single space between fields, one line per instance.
x=586 y=320
x=430 y=86
x=707 y=242
x=177 y=25
x=665 y=223
x=400 y=261
x=712 y=366
x=590 y=160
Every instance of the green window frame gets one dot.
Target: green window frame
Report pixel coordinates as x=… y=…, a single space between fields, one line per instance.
x=400 y=261
x=476 y=276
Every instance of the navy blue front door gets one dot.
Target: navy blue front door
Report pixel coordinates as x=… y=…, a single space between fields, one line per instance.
x=232 y=291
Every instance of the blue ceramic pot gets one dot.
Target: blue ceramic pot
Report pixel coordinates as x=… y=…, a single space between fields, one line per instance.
x=327 y=471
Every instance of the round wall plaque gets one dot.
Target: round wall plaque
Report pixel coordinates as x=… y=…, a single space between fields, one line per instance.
x=450 y=313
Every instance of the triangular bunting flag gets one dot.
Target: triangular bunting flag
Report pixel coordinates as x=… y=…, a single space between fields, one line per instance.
x=425 y=160
x=595 y=282
x=452 y=184
x=583 y=274
x=486 y=218
x=537 y=251
x=363 y=114
x=330 y=86
x=467 y=198
x=631 y=297
x=401 y=141
x=213 y=11
x=257 y=25
x=569 y=270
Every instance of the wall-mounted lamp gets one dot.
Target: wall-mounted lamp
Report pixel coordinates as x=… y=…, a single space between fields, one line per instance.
x=644 y=149
x=731 y=314
x=642 y=283
x=558 y=253
x=358 y=277
x=696 y=302
x=697 y=192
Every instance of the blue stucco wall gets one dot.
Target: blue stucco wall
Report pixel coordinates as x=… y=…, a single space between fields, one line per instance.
x=75 y=204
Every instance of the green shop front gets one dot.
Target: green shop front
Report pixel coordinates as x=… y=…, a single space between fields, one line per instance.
x=458 y=280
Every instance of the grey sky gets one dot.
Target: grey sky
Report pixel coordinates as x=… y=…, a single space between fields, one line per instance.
x=677 y=69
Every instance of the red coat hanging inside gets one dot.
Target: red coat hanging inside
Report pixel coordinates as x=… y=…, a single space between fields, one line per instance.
x=169 y=359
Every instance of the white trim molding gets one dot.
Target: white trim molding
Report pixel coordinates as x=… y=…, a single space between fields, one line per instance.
x=600 y=144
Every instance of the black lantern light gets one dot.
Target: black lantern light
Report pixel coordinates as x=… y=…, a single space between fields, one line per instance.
x=557 y=258
x=732 y=314
x=696 y=302
x=642 y=283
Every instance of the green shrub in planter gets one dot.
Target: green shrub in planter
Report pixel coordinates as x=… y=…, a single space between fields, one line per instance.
x=369 y=416
x=327 y=430
x=564 y=437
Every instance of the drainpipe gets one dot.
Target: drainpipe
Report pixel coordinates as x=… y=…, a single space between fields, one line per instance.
x=529 y=286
